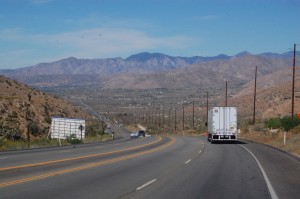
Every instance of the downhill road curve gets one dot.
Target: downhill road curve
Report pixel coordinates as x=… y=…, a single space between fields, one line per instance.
x=151 y=167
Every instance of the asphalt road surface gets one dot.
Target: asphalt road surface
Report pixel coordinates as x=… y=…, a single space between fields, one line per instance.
x=151 y=167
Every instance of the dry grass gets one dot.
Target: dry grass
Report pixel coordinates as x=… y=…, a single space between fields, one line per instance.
x=275 y=139
x=133 y=127
x=40 y=143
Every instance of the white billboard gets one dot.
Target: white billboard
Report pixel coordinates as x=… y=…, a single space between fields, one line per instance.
x=62 y=128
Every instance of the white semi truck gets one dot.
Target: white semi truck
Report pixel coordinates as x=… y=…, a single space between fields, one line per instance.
x=222 y=124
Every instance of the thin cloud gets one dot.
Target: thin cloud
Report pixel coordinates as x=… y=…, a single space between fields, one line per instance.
x=203 y=18
x=38 y=2
x=92 y=43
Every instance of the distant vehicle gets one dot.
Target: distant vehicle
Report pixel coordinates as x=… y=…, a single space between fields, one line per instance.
x=141 y=134
x=222 y=124
x=137 y=134
x=134 y=135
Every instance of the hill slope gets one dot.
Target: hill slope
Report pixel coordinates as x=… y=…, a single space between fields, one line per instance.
x=238 y=70
x=23 y=108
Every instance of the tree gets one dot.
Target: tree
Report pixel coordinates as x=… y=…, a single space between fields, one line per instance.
x=288 y=122
x=273 y=123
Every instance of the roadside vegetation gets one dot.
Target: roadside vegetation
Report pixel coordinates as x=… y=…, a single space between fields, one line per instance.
x=271 y=132
x=94 y=133
x=44 y=142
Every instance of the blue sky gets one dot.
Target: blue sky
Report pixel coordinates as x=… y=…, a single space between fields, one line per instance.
x=36 y=31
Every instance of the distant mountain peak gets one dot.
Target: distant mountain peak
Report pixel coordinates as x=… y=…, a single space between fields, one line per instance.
x=145 y=56
x=222 y=56
x=70 y=58
x=242 y=54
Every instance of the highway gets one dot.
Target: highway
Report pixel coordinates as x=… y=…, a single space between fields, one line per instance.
x=151 y=167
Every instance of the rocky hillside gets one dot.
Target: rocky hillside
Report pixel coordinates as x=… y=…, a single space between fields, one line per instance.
x=271 y=101
x=237 y=70
x=151 y=70
x=23 y=108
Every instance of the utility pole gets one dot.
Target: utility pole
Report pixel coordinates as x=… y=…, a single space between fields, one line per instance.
x=254 y=100
x=159 y=117
x=193 y=114
x=206 y=106
x=155 y=116
x=28 y=137
x=28 y=131
x=152 y=116
x=175 y=120
x=182 y=117
x=293 y=84
x=163 y=120
x=226 y=95
x=169 y=119
x=149 y=121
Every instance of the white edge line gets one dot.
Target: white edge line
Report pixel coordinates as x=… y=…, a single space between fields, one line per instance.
x=2 y=158
x=146 y=184
x=187 y=161
x=270 y=187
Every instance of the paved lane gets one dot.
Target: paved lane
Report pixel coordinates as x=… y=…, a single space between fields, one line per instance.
x=179 y=167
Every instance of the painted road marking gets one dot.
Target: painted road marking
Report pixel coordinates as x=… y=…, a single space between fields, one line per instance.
x=200 y=151
x=146 y=184
x=78 y=158
x=2 y=158
x=188 y=161
x=86 y=166
x=270 y=187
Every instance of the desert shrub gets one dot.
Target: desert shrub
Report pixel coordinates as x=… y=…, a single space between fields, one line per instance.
x=72 y=139
x=273 y=123
x=288 y=123
x=34 y=128
x=8 y=82
x=259 y=127
x=47 y=119
x=295 y=130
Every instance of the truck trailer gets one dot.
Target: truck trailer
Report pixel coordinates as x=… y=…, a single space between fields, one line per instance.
x=222 y=124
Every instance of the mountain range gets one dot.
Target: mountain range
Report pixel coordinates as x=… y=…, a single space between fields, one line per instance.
x=152 y=70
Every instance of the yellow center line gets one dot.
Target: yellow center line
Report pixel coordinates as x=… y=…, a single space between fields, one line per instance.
x=77 y=158
x=87 y=166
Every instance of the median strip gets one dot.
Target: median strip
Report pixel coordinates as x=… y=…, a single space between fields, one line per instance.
x=77 y=158
x=87 y=166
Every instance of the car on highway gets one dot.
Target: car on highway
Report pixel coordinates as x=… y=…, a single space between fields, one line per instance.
x=137 y=134
x=141 y=133
x=134 y=134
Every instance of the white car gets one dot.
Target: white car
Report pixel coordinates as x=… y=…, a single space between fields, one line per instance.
x=134 y=135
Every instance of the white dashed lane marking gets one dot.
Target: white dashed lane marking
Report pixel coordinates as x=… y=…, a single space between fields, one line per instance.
x=188 y=161
x=146 y=184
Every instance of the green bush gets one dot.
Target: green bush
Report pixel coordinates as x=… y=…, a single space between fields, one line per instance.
x=73 y=140
x=34 y=128
x=48 y=119
x=274 y=123
x=287 y=123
